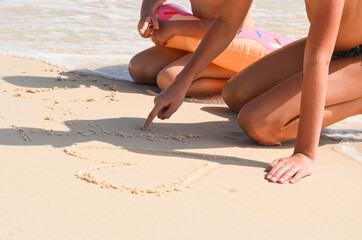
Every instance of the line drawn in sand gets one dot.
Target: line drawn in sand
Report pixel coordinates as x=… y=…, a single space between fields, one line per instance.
x=188 y=176
x=88 y=174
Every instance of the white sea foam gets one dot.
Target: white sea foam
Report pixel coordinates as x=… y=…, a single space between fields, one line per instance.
x=350 y=149
x=100 y=37
x=348 y=135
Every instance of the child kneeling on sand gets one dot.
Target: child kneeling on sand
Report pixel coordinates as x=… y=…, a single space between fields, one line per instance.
x=161 y=65
x=292 y=92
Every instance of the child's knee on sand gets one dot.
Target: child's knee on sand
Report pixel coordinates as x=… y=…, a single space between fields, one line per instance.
x=232 y=97
x=164 y=78
x=141 y=71
x=257 y=126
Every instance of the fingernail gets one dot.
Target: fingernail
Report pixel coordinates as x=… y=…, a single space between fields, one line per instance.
x=281 y=180
x=292 y=181
x=268 y=176
x=273 y=179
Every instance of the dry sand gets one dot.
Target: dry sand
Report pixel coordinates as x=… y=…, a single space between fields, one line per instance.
x=75 y=164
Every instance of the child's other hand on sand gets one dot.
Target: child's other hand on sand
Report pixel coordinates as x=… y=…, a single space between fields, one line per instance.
x=291 y=169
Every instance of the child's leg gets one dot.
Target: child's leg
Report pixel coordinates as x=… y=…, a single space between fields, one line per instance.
x=264 y=75
x=145 y=66
x=209 y=82
x=268 y=92
x=274 y=115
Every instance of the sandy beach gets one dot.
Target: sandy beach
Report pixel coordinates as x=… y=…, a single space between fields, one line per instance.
x=75 y=164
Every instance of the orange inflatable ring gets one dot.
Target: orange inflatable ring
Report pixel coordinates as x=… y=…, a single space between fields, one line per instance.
x=247 y=47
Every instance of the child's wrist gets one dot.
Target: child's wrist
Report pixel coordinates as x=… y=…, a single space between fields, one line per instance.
x=185 y=78
x=145 y=14
x=308 y=153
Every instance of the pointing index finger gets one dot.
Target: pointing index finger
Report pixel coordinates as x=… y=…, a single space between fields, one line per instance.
x=156 y=109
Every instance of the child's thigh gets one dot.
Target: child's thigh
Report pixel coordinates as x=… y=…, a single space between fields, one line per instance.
x=264 y=74
x=148 y=63
x=211 y=71
x=282 y=103
x=159 y=56
x=344 y=80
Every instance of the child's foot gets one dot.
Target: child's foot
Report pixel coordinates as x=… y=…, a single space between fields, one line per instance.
x=291 y=169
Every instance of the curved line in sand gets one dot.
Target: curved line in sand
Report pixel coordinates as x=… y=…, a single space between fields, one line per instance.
x=88 y=174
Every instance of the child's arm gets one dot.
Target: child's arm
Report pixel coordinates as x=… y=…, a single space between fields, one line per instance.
x=187 y=28
x=148 y=20
x=216 y=39
x=191 y=28
x=198 y=28
x=325 y=20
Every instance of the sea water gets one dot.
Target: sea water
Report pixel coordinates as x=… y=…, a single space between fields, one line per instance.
x=100 y=36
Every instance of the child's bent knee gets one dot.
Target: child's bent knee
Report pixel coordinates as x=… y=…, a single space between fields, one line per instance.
x=135 y=70
x=231 y=98
x=140 y=72
x=164 y=79
x=255 y=125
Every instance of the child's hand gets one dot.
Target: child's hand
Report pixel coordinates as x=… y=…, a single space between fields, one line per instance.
x=163 y=34
x=291 y=169
x=167 y=102
x=147 y=24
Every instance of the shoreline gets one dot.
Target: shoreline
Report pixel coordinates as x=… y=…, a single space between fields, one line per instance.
x=74 y=157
